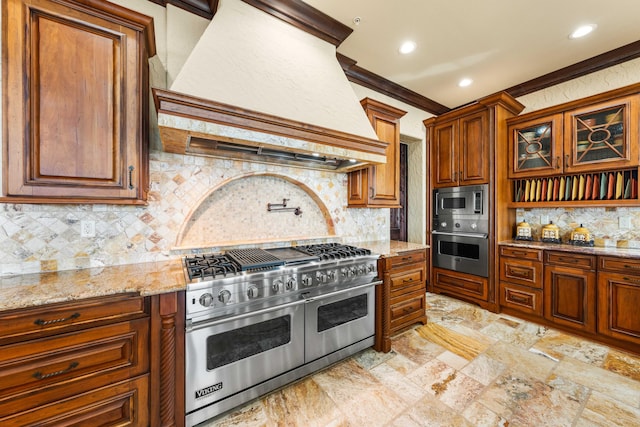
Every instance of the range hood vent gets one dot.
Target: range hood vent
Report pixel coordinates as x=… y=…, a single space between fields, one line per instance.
x=246 y=152
x=257 y=88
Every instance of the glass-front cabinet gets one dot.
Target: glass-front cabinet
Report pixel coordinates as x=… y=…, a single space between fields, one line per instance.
x=599 y=137
x=535 y=147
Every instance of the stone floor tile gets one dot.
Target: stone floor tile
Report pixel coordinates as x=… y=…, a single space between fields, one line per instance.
x=601 y=410
x=484 y=369
x=481 y=416
x=623 y=363
x=395 y=381
x=453 y=360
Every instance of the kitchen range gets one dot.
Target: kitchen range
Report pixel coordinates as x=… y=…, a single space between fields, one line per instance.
x=257 y=319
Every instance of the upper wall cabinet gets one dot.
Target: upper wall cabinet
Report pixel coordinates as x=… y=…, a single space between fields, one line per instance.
x=600 y=133
x=460 y=151
x=75 y=102
x=379 y=186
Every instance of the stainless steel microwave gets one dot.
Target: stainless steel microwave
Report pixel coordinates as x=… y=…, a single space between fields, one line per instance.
x=469 y=201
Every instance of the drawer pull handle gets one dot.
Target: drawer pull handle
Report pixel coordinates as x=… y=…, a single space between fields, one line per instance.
x=41 y=322
x=519 y=273
x=518 y=253
x=634 y=267
x=569 y=260
x=518 y=299
x=40 y=376
x=407 y=258
x=631 y=279
x=407 y=280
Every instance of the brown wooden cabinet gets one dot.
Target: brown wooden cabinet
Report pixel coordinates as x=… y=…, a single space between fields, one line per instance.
x=581 y=153
x=379 y=186
x=83 y=361
x=76 y=90
x=401 y=298
x=570 y=290
x=619 y=298
x=521 y=275
x=460 y=151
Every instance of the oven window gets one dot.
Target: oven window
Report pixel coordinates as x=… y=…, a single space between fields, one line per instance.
x=453 y=203
x=341 y=312
x=463 y=250
x=237 y=344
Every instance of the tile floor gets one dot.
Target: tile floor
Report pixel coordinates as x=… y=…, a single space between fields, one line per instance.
x=467 y=367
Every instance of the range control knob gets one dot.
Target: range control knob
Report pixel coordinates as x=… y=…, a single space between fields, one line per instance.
x=306 y=280
x=474 y=226
x=371 y=268
x=354 y=271
x=443 y=224
x=321 y=277
x=206 y=299
x=331 y=274
x=277 y=286
x=253 y=292
x=345 y=272
x=224 y=296
x=457 y=225
x=361 y=269
x=291 y=283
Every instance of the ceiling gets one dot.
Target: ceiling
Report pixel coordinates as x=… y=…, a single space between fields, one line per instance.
x=496 y=43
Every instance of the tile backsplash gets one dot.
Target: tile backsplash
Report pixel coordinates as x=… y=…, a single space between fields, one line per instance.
x=611 y=226
x=190 y=197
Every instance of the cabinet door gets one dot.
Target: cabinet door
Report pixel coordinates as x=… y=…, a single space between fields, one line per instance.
x=535 y=147
x=76 y=82
x=385 y=179
x=444 y=155
x=602 y=136
x=474 y=149
x=569 y=297
x=618 y=302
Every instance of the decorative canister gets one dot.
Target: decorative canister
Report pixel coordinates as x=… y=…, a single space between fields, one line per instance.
x=581 y=236
x=523 y=231
x=551 y=233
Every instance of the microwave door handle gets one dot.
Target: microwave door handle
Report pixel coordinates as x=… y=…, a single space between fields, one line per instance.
x=437 y=205
x=474 y=235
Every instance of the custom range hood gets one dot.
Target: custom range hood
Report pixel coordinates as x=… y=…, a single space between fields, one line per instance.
x=259 y=88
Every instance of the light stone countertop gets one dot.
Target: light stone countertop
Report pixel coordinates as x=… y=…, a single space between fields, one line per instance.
x=564 y=247
x=390 y=248
x=151 y=278
x=43 y=288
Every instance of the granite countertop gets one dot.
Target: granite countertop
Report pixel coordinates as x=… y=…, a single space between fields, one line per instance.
x=43 y=288
x=150 y=278
x=390 y=248
x=564 y=247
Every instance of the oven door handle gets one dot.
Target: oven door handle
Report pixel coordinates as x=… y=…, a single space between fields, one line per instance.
x=474 y=235
x=208 y=323
x=342 y=291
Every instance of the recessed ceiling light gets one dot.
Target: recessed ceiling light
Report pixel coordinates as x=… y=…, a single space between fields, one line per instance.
x=465 y=82
x=582 y=31
x=407 y=47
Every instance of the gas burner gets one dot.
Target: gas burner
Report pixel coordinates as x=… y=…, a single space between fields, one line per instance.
x=209 y=265
x=329 y=251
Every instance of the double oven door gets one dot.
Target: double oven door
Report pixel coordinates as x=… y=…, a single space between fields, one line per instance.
x=225 y=359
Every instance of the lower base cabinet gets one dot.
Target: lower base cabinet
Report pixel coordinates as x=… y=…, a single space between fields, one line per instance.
x=461 y=285
x=595 y=296
x=401 y=299
x=619 y=299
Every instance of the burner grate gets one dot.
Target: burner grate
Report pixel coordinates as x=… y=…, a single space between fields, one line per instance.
x=328 y=251
x=202 y=266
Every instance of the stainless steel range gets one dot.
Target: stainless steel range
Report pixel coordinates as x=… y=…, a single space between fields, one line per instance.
x=258 y=319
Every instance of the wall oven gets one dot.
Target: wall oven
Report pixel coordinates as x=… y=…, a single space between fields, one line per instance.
x=461 y=229
x=253 y=331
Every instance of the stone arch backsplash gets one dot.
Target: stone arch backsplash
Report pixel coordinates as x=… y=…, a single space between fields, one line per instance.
x=36 y=238
x=235 y=212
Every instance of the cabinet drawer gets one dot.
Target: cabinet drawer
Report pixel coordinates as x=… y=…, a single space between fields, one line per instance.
x=41 y=371
x=521 y=271
x=621 y=265
x=521 y=253
x=454 y=282
x=122 y=404
x=406 y=258
x=521 y=298
x=407 y=281
x=408 y=310
x=59 y=318
x=570 y=259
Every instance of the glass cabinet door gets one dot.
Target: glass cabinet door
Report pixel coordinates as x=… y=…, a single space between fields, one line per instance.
x=600 y=137
x=534 y=147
